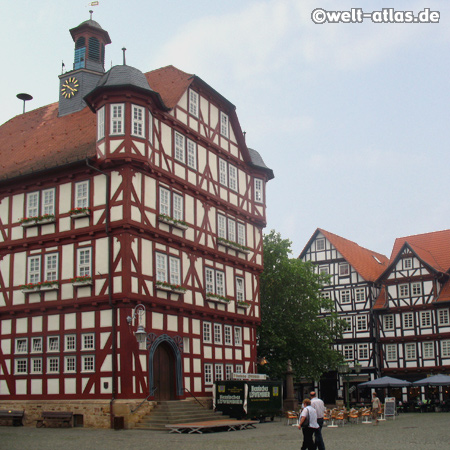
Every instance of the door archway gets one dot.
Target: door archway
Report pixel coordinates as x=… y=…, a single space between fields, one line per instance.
x=165 y=371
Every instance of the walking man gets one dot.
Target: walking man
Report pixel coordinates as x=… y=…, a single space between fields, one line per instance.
x=319 y=406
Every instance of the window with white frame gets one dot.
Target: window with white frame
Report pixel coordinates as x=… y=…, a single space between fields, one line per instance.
x=425 y=319
x=171 y=204
x=34 y=269
x=53 y=344
x=363 y=351
x=416 y=289
x=348 y=352
x=320 y=244
x=117 y=118
x=232 y=178
x=428 y=350
x=207 y=339
x=137 y=121
x=53 y=364
x=40 y=202
x=324 y=270
x=224 y=125
x=21 y=345
x=208 y=374
x=82 y=194
x=217 y=333
x=228 y=334
x=191 y=154
x=360 y=294
x=410 y=351
x=36 y=345
x=218 y=372
x=344 y=269
x=84 y=261
x=239 y=368
x=445 y=348
x=345 y=296
x=228 y=371
x=361 y=322
x=391 y=352
x=87 y=363
x=388 y=322
x=408 y=320
x=215 y=281
x=51 y=267
x=240 y=291
x=88 y=341
x=326 y=295
x=230 y=230
x=407 y=263
x=348 y=321
x=21 y=366
x=237 y=336
x=101 y=123
x=258 y=186
x=168 y=269
x=193 y=103
x=228 y=175
x=443 y=317
x=36 y=365
x=70 y=364
x=180 y=147
x=70 y=342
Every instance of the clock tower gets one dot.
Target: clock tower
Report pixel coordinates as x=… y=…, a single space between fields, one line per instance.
x=88 y=66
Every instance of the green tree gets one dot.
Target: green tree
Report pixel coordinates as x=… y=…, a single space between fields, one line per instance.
x=290 y=304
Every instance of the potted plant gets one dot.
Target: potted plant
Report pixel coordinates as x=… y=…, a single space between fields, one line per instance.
x=29 y=287
x=48 y=285
x=37 y=220
x=80 y=212
x=82 y=280
x=175 y=222
x=165 y=286
x=217 y=298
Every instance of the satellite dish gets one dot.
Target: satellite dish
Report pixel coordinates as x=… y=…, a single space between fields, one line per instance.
x=25 y=98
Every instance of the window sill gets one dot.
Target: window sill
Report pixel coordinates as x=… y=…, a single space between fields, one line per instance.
x=53 y=287
x=161 y=287
x=30 y=291
x=243 y=305
x=82 y=283
x=214 y=298
x=34 y=223
x=234 y=246
x=80 y=214
x=173 y=222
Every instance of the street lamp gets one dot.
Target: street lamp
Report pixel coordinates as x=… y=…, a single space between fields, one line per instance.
x=345 y=370
x=140 y=333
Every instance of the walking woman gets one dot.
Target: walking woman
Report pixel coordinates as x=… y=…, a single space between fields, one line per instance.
x=308 y=424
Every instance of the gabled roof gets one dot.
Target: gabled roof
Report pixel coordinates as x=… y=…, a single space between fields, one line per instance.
x=432 y=248
x=367 y=263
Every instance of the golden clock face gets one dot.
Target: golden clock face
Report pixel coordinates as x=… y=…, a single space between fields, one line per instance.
x=70 y=87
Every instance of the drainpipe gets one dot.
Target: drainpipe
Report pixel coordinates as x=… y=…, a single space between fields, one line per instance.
x=110 y=292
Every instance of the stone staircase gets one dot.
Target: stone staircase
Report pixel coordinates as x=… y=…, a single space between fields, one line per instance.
x=176 y=411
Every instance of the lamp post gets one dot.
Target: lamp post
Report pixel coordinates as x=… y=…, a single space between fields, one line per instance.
x=345 y=370
x=140 y=333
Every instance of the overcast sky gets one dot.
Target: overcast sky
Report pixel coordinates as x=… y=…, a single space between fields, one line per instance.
x=353 y=118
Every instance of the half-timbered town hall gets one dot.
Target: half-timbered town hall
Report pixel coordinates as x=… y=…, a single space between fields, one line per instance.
x=131 y=209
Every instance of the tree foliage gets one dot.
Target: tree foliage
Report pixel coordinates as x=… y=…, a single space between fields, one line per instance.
x=290 y=304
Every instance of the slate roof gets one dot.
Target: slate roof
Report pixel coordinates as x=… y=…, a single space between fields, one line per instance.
x=370 y=265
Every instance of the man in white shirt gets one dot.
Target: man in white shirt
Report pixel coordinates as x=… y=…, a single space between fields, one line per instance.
x=319 y=406
x=309 y=415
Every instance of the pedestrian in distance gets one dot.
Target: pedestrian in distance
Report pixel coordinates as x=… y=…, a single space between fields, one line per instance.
x=319 y=406
x=376 y=407
x=308 y=424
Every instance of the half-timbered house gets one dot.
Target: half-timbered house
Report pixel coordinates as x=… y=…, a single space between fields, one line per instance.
x=353 y=272
x=412 y=310
x=133 y=189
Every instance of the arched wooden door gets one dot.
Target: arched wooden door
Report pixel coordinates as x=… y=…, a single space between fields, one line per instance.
x=164 y=372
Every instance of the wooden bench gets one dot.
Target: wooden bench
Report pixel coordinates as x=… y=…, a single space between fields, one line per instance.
x=50 y=417
x=15 y=416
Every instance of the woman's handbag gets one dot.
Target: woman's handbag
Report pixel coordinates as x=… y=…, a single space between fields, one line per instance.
x=305 y=423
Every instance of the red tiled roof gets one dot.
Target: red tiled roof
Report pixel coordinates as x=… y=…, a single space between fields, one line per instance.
x=170 y=83
x=39 y=140
x=370 y=265
x=433 y=248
